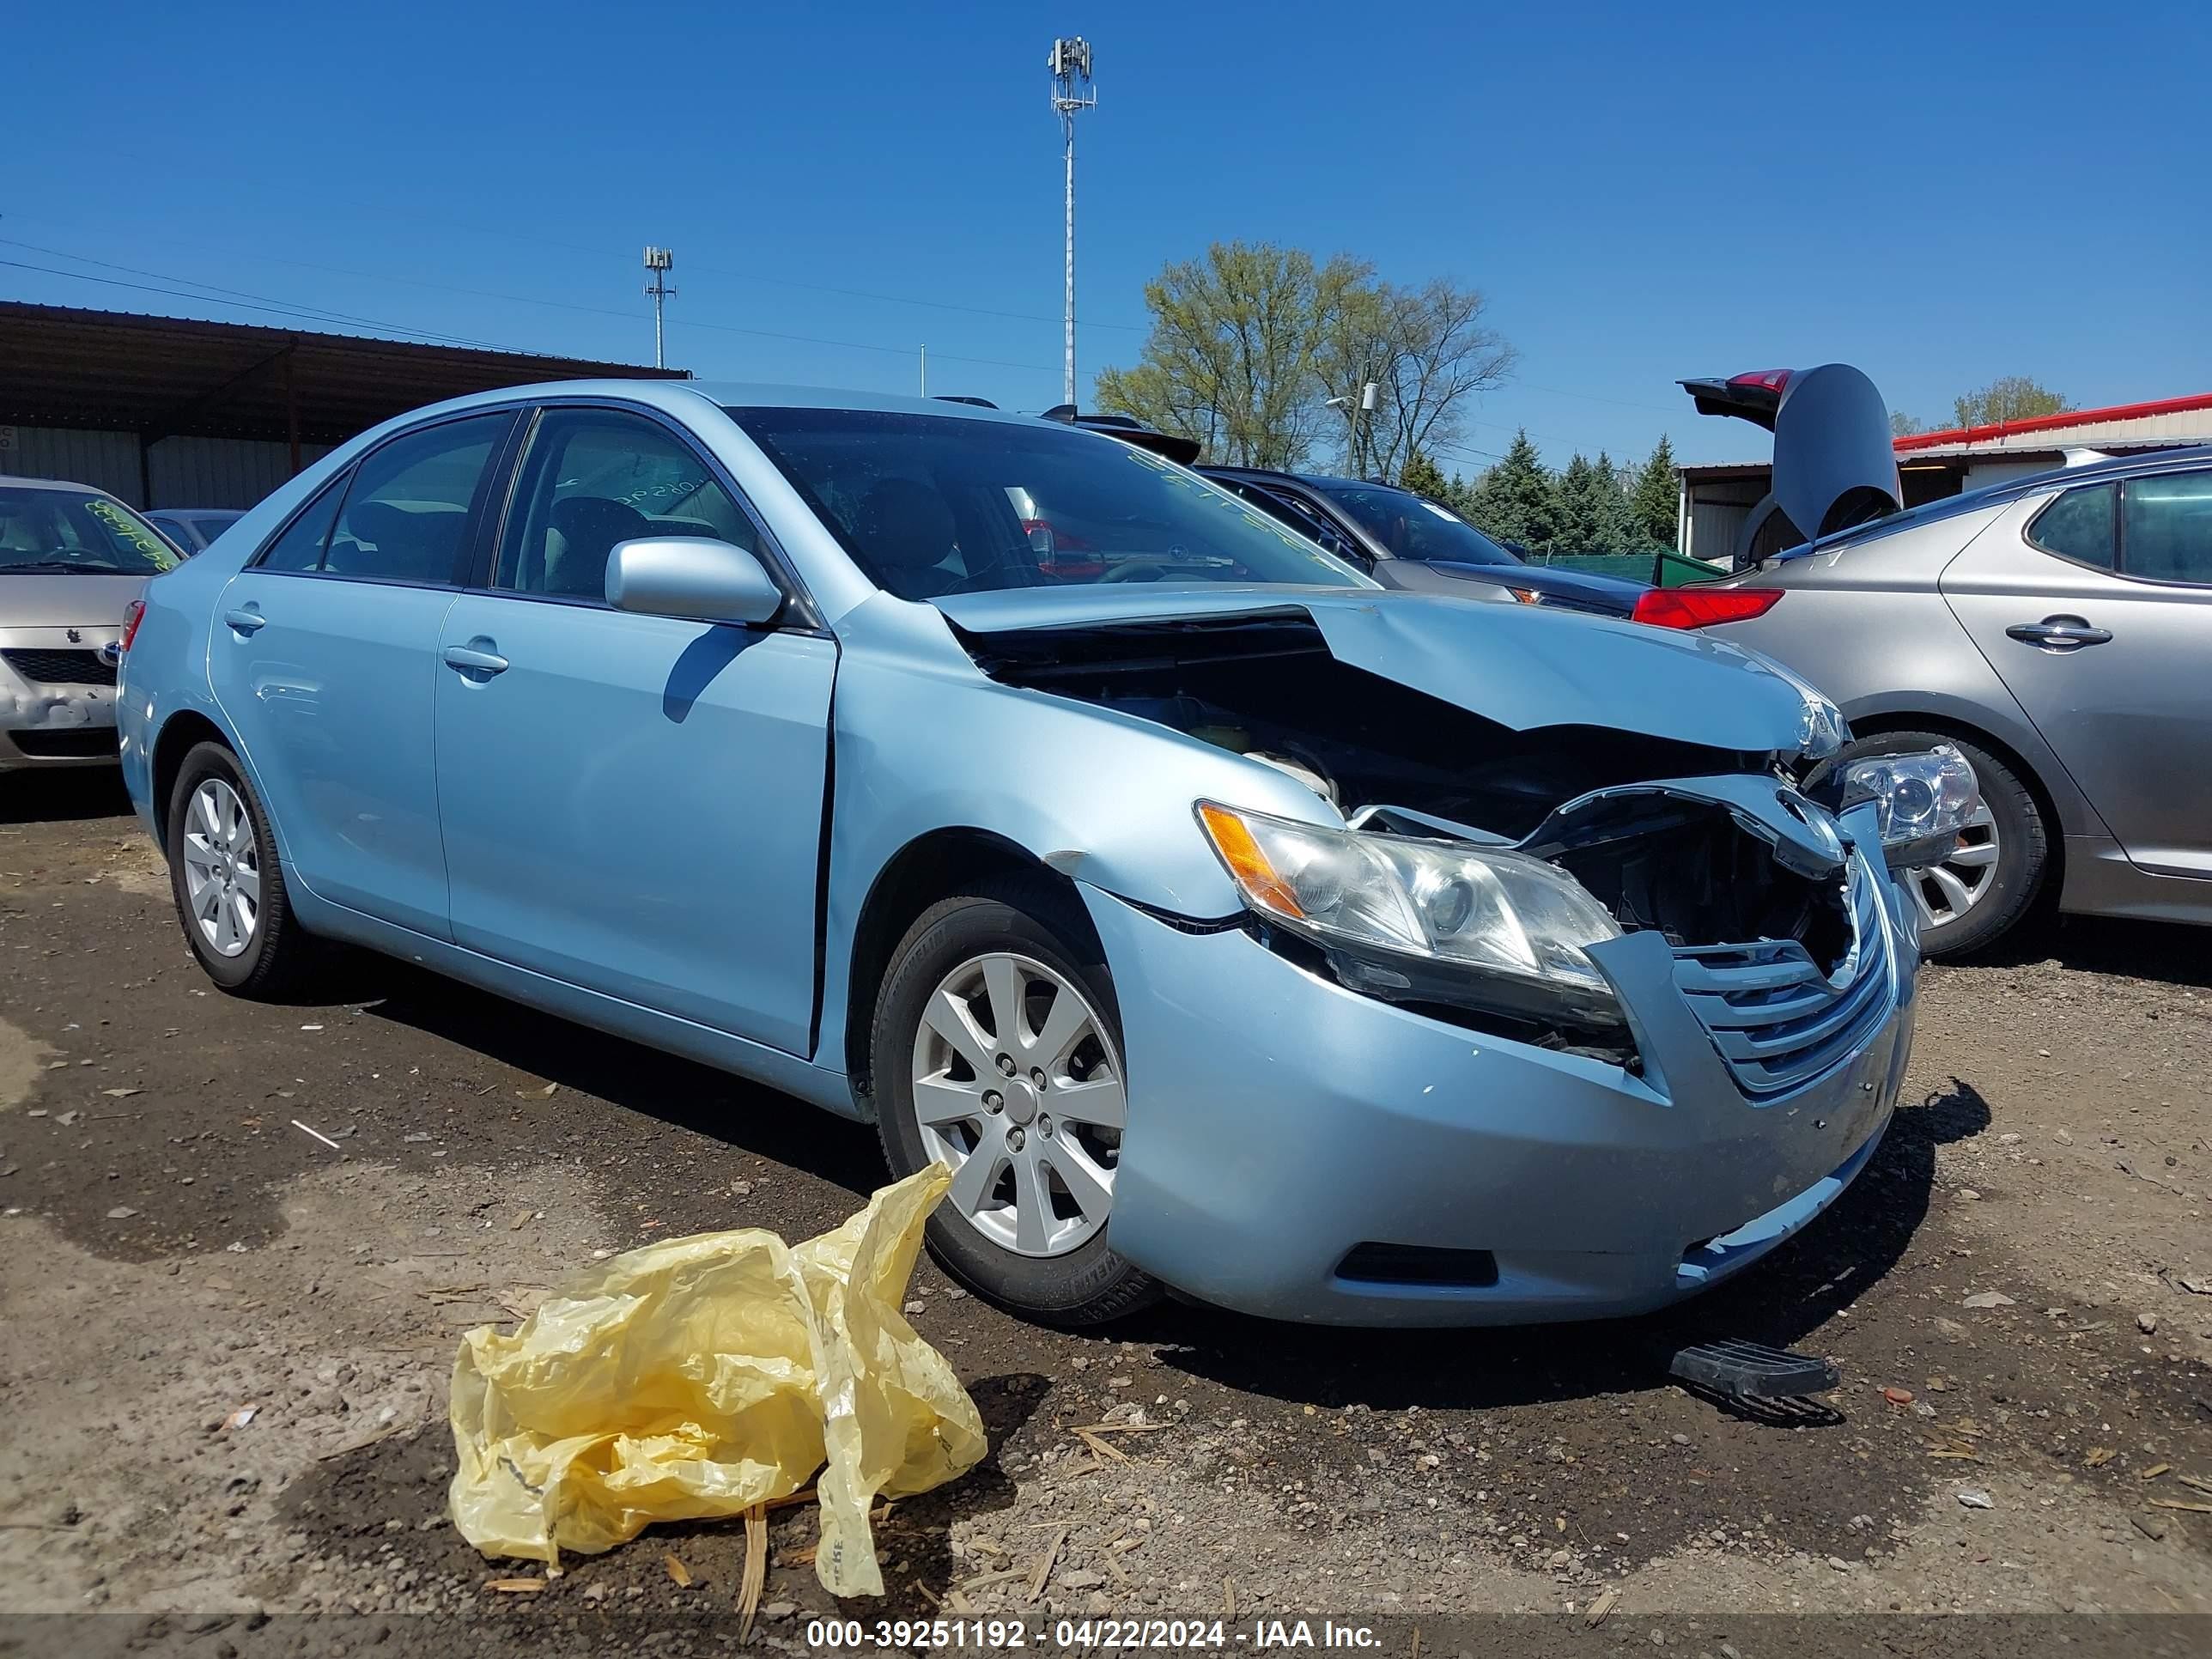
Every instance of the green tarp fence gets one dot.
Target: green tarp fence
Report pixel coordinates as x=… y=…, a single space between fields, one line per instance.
x=1660 y=566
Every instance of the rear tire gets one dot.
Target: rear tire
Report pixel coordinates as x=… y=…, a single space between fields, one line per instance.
x=1996 y=894
x=1055 y=1263
x=229 y=884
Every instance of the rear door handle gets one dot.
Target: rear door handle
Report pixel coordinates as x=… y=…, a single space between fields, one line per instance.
x=470 y=661
x=2059 y=634
x=245 y=622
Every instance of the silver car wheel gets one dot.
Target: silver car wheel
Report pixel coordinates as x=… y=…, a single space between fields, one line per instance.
x=222 y=868
x=1017 y=1088
x=1946 y=891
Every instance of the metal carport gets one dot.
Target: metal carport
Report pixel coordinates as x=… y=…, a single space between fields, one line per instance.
x=168 y=412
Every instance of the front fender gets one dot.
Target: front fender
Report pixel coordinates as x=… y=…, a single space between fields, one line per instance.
x=924 y=741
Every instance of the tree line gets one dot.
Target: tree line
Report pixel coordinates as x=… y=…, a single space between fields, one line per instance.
x=1266 y=356
x=1589 y=506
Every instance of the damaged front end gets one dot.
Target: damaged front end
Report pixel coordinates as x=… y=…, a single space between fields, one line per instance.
x=1478 y=869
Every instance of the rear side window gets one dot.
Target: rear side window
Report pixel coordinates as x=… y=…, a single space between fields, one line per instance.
x=300 y=546
x=407 y=510
x=2167 y=528
x=2080 y=525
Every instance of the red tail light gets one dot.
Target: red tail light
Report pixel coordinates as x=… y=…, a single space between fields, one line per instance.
x=1702 y=607
x=133 y=614
x=1771 y=379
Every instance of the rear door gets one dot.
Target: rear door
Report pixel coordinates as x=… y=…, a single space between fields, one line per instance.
x=2096 y=611
x=632 y=804
x=324 y=655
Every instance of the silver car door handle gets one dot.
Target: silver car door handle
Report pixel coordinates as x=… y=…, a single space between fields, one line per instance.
x=2058 y=633
x=244 y=622
x=472 y=661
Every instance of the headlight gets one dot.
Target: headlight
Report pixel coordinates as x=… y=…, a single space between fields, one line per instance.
x=1432 y=912
x=1922 y=801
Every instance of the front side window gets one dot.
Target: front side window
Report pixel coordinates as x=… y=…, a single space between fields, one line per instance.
x=932 y=505
x=2167 y=528
x=594 y=477
x=2078 y=525
x=407 y=508
x=54 y=532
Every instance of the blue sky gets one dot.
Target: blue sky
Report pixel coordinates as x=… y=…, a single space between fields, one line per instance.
x=1939 y=194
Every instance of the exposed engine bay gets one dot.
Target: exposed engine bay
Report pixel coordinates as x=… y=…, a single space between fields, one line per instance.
x=1702 y=844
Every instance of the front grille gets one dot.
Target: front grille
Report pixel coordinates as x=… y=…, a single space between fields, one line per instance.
x=61 y=668
x=1775 y=1018
x=68 y=743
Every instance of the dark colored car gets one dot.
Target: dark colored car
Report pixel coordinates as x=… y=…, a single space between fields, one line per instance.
x=1405 y=540
x=194 y=528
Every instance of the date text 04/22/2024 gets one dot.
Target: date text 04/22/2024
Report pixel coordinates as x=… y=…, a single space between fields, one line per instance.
x=1103 y=1632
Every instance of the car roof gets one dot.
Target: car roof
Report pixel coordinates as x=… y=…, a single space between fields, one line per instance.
x=2012 y=489
x=8 y=481
x=1318 y=480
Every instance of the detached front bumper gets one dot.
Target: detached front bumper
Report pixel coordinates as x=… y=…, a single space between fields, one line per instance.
x=1300 y=1151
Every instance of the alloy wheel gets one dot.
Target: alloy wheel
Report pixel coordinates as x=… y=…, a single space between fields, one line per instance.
x=1945 y=891
x=1017 y=1087
x=222 y=869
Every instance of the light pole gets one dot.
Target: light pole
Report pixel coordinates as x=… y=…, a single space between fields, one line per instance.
x=1353 y=409
x=1072 y=92
x=659 y=261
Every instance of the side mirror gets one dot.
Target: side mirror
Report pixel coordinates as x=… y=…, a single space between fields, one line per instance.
x=693 y=578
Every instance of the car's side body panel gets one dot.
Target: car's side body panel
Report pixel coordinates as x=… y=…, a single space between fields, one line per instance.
x=634 y=804
x=1866 y=624
x=331 y=691
x=2120 y=714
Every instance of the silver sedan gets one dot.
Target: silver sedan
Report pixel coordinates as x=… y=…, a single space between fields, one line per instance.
x=2057 y=630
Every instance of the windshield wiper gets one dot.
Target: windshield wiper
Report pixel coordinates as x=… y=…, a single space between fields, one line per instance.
x=60 y=567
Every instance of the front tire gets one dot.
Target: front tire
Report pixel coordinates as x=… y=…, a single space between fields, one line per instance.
x=996 y=1050
x=228 y=883
x=1977 y=895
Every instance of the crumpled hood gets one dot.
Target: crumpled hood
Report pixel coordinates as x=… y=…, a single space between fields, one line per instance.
x=1523 y=667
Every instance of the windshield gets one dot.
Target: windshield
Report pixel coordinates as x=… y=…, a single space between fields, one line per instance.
x=49 y=531
x=930 y=505
x=1412 y=528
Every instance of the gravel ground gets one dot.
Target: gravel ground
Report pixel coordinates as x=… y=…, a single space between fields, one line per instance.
x=2018 y=1293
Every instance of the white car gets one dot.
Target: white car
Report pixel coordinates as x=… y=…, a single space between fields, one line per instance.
x=73 y=559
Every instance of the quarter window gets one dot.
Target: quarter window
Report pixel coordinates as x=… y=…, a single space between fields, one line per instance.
x=408 y=508
x=2167 y=528
x=300 y=546
x=2078 y=525
x=594 y=477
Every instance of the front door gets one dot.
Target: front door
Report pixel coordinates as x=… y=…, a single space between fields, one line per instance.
x=2095 y=609
x=632 y=804
x=324 y=655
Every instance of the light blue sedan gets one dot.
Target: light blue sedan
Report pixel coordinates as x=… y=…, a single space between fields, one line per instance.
x=1226 y=924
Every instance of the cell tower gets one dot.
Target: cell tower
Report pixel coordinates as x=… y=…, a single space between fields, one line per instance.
x=659 y=261
x=1071 y=94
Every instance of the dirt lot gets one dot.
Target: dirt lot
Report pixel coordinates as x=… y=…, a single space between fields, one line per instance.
x=2019 y=1294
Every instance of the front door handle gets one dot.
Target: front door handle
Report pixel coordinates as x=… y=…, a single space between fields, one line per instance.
x=244 y=622
x=2058 y=633
x=470 y=661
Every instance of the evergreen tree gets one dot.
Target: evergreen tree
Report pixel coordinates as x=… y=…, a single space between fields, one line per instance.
x=1578 y=508
x=1653 y=499
x=1517 y=500
x=1423 y=477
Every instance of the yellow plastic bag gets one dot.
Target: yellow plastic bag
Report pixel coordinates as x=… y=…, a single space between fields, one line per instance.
x=698 y=1376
